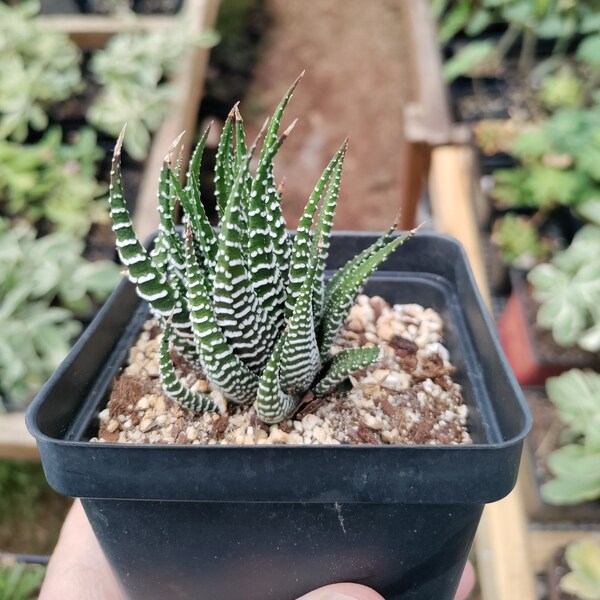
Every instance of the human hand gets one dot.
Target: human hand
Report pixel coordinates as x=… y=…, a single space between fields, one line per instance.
x=78 y=570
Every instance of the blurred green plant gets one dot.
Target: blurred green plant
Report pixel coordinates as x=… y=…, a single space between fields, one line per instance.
x=137 y=90
x=519 y=242
x=583 y=580
x=39 y=68
x=526 y=21
x=20 y=581
x=560 y=164
x=568 y=289
x=44 y=284
x=52 y=182
x=576 y=465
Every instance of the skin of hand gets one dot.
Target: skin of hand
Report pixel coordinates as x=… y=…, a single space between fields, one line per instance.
x=78 y=570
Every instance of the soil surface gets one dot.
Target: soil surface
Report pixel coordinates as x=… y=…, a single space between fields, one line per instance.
x=407 y=396
x=356 y=84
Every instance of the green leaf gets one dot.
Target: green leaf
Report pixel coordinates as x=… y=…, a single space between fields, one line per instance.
x=590 y=210
x=589 y=50
x=345 y=363
x=467 y=59
x=583 y=558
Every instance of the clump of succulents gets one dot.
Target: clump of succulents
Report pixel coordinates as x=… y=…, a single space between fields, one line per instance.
x=44 y=284
x=576 y=465
x=137 y=91
x=249 y=305
x=568 y=289
x=583 y=579
x=39 y=69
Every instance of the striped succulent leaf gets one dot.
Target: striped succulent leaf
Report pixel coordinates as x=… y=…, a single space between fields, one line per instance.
x=339 y=302
x=246 y=306
x=343 y=364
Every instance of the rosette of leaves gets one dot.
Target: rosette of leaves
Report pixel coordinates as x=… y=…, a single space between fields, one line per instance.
x=39 y=69
x=568 y=289
x=247 y=306
x=51 y=183
x=133 y=71
x=583 y=579
x=44 y=284
x=560 y=164
x=576 y=465
x=519 y=242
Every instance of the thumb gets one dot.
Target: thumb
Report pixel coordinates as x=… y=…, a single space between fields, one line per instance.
x=343 y=591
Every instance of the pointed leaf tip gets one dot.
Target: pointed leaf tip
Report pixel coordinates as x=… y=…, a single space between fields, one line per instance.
x=233 y=110
x=289 y=129
x=236 y=113
x=169 y=155
x=119 y=144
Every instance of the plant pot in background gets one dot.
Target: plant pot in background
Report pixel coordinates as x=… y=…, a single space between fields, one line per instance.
x=541 y=441
x=274 y=522
x=532 y=352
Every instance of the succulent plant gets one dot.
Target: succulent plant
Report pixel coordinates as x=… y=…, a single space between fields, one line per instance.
x=137 y=91
x=576 y=465
x=248 y=306
x=519 y=242
x=44 y=284
x=583 y=580
x=568 y=289
x=39 y=68
x=53 y=183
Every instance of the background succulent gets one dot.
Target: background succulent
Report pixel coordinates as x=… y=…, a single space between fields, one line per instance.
x=44 y=284
x=568 y=288
x=576 y=465
x=249 y=305
x=39 y=69
x=583 y=580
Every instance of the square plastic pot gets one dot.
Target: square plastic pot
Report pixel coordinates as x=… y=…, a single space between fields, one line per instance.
x=274 y=522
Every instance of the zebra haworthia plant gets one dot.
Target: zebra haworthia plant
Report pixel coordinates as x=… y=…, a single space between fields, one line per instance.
x=248 y=306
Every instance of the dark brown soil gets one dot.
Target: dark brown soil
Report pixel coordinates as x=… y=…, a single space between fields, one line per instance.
x=406 y=396
x=356 y=84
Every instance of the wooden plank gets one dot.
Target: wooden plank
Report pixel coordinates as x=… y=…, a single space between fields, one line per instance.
x=501 y=543
x=425 y=61
x=427 y=119
x=450 y=185
x=90 y=32
x=189 y=84
x=502 y=548
x=15 y=441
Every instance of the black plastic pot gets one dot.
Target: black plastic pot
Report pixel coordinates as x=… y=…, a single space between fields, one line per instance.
x=273 y=522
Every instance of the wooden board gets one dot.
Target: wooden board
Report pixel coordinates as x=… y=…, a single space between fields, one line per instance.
x=501 y=544
x=427 y=118
x=15 y=441
x=90 y=31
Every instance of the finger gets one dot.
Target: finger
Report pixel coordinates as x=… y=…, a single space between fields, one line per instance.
x=343 y=591
x=78 y=568
x=467 y=581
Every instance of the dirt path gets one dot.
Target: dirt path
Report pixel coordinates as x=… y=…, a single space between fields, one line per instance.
x=356 y=84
